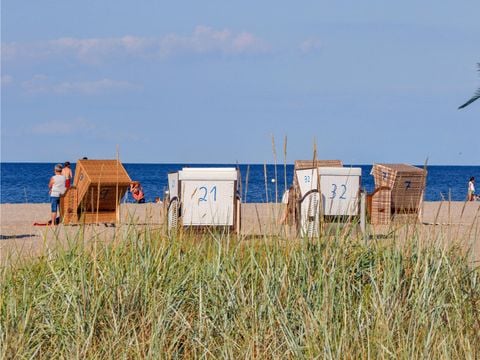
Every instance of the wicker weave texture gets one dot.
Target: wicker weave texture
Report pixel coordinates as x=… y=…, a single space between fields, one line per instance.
x=311 y=164
x=380 y=207
x=101 y=217
x=100 y=186
x=407 y=183
x=102 y=198
x=104 y=172
x=69 y=206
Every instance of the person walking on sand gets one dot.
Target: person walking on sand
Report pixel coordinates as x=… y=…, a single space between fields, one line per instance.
x=471 y=189
x=67 y=172
x=57 y=189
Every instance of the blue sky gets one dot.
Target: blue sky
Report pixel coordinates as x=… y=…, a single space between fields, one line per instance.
x=212 y=82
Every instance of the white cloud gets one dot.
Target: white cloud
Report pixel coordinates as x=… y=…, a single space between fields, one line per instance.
x=64 y=127
x=91 y=87
x=6 y=80
x=40 y=84
x=203 y=40
x=310 y=45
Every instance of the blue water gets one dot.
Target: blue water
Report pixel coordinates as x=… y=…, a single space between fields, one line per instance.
x=28 y=182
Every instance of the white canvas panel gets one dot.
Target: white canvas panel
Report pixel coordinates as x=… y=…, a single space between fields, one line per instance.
x=208 y=174
x=173 y=184
x=208 y=202
x=307 y=180
x=340 y=191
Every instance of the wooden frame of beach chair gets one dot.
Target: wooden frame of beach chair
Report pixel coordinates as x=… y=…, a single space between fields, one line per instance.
x=95 y=198
x=399 y=190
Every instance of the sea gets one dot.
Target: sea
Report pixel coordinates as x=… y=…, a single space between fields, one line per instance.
x=28 y=182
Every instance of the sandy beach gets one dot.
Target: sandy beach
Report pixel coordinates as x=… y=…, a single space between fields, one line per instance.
x=451 y=222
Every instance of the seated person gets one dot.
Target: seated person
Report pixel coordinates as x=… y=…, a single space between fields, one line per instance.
x=137 y=192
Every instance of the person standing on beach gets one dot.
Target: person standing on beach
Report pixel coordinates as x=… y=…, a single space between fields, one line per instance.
x=471 y=189
x=57 y=189
x=67 y=172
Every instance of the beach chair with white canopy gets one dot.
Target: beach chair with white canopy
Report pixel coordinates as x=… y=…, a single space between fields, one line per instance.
x=202 y=197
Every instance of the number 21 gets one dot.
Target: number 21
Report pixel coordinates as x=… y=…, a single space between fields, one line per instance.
x=205 y=192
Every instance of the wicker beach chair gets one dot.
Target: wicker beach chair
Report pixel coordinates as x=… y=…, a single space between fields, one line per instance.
x=95 y=198
x=399 y=189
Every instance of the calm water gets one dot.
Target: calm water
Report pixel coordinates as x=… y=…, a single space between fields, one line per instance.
x=28 y=182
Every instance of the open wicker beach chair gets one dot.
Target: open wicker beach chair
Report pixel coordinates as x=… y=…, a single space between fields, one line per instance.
x=95 y=198
x=399 y=189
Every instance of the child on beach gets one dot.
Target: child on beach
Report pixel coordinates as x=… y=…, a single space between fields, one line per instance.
x=57 y=189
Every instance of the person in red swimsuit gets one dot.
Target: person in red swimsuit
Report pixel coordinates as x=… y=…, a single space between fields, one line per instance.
x=67 y=172
x=137 y=192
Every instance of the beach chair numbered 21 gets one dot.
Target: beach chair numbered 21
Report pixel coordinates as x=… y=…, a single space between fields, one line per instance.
x=202 y=197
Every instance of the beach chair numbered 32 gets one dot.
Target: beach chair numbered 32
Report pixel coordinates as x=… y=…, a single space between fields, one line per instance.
x=204 y=197
x=330 y=192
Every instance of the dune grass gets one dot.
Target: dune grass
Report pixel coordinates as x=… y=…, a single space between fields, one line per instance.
x=218 y=296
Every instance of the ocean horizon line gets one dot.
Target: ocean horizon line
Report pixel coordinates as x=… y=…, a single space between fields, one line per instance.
x=236 y=163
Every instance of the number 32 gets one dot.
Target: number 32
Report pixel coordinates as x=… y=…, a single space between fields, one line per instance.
x=334 y=191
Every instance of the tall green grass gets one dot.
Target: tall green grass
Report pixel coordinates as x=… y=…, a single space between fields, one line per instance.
x=217 y=296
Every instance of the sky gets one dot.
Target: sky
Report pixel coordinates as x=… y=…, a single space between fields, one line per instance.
x=222 y=81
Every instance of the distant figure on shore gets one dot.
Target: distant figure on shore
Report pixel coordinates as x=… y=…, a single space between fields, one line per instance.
x=57 y=189
x=157 y=200
x=137 y=192
x=471 y=189
x=67 y=172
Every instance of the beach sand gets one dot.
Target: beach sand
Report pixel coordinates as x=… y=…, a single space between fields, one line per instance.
x=451 y=222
